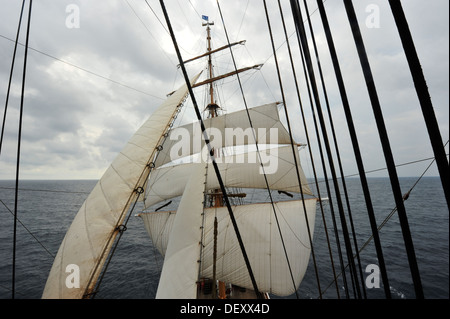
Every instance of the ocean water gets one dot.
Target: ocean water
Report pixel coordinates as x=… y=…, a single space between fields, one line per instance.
x=47 y=208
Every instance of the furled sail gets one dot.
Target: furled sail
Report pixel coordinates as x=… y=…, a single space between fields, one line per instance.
x=261 y=238
x=240 y=170
x=180 y=270
x=90 y=237
x=225 y=130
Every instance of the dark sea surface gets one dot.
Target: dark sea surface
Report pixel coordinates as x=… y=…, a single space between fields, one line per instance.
x=47 y=208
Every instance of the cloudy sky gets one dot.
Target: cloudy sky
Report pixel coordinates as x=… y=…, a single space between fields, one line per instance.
x=97 y=69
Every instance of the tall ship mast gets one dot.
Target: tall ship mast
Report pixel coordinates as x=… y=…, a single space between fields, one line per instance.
x=212 y=106
x=263 y=250
x=224 y=199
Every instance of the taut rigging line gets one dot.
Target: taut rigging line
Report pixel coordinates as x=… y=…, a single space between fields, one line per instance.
x=423 y=95
x=338 y=156
x=405 y=197
x=257 y=147
x=309 y=147
x=18 y=147
x=86 y=70
x=207 y=142
x=301 y=35
x=293 y=154
x=355 y=144
x=376 y=107
x=10 y=77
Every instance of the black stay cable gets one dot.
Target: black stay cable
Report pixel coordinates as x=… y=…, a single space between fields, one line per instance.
x=259 y=155
x=302 y=38
x=211 y=153
x=326 y=179
x=310 y=151
x=387 y=218
x=356 y=149
x=293 y=147
x=18 y=151
x=423 y=95
x=338 y=156
x=386 y=147
x=10 y=77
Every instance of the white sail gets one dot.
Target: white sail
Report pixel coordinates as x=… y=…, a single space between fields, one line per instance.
x=180 y=270
x=226 y=130
x=261 y=238
x=242 y=170
x=92 y=233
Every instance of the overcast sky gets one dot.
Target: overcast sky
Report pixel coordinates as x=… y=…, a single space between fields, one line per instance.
x=91 y=82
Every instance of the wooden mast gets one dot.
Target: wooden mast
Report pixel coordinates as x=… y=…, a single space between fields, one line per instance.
x=216 y=194
x=212 y=107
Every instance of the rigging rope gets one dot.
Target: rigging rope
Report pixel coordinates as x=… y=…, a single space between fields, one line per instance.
x=85 y=70
x=356 y=149
x=338 y=156
x=384 y=222
x=258 y=152
x=19 y=139
x=319 y=143
x=301 y=35
x=207 y=141
x=293 y=153
x=148 y=30
x=10 y=76
x=423 y=95
x=23 y=225
x=386 y=147
x=309 y=147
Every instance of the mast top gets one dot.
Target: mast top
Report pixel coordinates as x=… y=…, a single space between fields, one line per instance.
x=212 y=106
x=206 y=18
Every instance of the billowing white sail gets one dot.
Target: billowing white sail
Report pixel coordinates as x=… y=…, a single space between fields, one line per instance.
x=231 y=129
x=261 y=238
x=88 y=241
x=180 y=270
x=241 y=170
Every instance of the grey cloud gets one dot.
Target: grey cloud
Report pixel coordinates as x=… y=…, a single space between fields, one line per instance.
x=77 y=121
